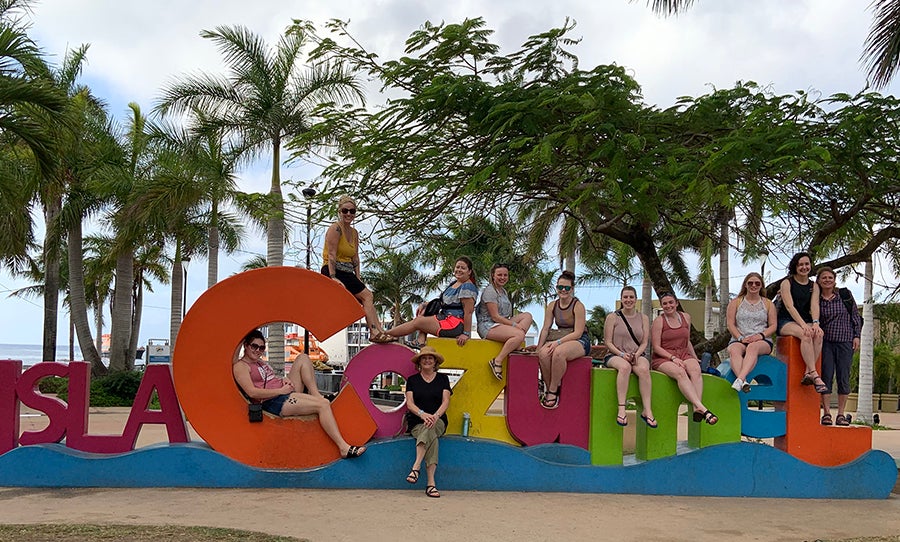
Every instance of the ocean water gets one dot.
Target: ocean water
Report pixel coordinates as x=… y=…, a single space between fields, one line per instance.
x=33 y=353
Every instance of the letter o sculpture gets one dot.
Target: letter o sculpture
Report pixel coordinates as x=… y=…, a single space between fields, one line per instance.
x=204 y=350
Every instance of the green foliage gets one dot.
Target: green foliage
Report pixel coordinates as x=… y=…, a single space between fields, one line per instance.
x=116 y=389
x=53 y=384
x=595 y=323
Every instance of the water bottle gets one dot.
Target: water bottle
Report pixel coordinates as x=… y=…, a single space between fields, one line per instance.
x=467 y=422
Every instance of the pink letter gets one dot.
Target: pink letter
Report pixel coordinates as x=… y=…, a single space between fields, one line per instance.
x=158 y=376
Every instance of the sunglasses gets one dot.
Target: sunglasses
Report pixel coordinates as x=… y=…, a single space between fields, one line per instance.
x=348 y=211
x=257 y=347
x=563 y=288
x=754 y=283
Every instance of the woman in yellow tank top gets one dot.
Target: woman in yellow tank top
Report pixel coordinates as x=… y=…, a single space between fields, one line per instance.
x=341 y=262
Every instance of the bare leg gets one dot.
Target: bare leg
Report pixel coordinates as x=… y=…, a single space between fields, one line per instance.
x=641 y=369
x=368 y=302
x=842 y=403
x=736 y=353
x=303 y=376
x=510 y=337
x=685 y=385
x=810 y=347
x=562 y=354
x=428 y=324
x=301 y=404
x=754 y=350
x=623 y=372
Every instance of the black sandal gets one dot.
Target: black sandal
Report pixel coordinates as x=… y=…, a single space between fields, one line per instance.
x=413 y=476
x=551 y=403
x=496 y=368
x=354 y=451
x=826 y=419
x=710 y=418
x=432 y=492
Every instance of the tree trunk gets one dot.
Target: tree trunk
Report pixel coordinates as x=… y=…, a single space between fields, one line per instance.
x=120 y=325
x=98 y=326
x=866 y=350
x=51 y=283
x=212 y=270
x=137 y=311
x=724 y=273
x=78 y=304
x=647 y=303
x=176 y=297
x=709 y=322
x=71 y=339
x=275 y=254
x=570 y=262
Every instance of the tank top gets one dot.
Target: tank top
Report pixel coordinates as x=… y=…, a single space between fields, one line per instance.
x=621 y=338
x=564 y=318
x=263 y=376
x=345 y=251
x=674 y=340
x=802 y=296
x=752 y=318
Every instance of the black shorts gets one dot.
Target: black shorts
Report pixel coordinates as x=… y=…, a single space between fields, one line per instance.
x=349 y=280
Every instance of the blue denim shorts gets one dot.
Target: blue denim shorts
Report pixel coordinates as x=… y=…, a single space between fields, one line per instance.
x=585 y=341
x=275 y=404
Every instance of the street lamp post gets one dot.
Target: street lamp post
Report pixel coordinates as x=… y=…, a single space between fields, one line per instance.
x=308 y=193
x=185 y=262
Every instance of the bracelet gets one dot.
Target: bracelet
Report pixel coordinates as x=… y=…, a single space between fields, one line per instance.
x=672 y=358
x=466 y=333
x=762 y=336
x=421 y=412
x=815 y=321
x=558 y=342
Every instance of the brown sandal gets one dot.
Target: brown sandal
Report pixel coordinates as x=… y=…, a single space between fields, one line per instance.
x=826 y=419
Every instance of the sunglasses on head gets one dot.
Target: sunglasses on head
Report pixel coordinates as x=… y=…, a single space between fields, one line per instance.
x=257 y=347
x=348 y=211
x=563 y=288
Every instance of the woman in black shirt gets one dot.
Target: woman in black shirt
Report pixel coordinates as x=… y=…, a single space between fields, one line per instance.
x=427 y=400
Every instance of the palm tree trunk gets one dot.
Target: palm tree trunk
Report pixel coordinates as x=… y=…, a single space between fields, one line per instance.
x=866 y=350
x=275 y=254
x=51 y=284
x=78 y=304
x=176 y=298
x=708 y=324
x=138 y=309
x=212 y=273
x=98 y=326
x=724 y=270
x=647 y=301
x=120 y=325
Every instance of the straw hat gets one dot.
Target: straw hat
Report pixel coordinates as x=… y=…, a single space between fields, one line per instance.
x=428 y=351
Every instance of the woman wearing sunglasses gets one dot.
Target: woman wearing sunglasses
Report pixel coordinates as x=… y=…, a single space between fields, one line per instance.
x=285 y=396
x=752 y=320
x=341 y=263
x=568 y=341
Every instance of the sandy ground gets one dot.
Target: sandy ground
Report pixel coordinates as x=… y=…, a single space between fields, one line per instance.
x=459 y=515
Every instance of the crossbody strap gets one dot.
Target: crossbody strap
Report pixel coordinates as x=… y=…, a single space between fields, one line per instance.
x=628 y=327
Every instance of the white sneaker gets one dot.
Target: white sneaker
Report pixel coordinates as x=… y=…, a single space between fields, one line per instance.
x=737 y=384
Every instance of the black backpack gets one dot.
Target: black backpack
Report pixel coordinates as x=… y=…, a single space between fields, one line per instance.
x=849 y=303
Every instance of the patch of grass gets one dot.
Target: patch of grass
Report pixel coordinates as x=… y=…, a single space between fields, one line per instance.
x=43 y=532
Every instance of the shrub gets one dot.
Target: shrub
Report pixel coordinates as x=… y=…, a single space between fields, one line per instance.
x=53 y=384
x=117 y=389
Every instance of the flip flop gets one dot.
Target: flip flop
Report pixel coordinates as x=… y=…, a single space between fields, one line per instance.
x=622 y=420
x=354 y=451
x=432 y=492
x=413 y=476
x=650 y=421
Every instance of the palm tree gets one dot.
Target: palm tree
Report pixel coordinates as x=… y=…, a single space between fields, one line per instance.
x=267 y=98
x=395 y=280
x=881 y=53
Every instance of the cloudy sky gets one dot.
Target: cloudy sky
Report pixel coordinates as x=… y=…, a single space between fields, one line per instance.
x=137 y=47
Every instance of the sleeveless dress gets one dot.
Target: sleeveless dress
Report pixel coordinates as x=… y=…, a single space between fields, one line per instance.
x=674 y=340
